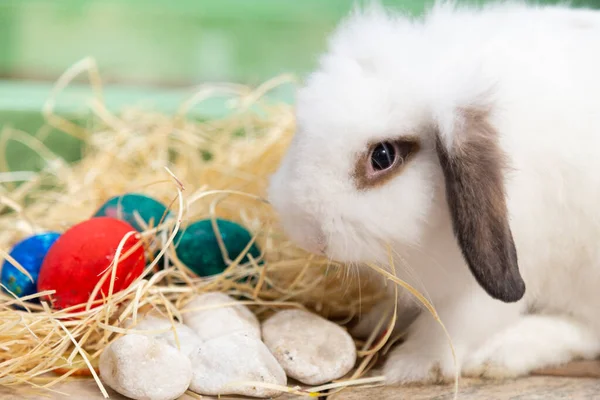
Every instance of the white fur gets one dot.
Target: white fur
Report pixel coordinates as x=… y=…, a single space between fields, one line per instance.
x=386 y=75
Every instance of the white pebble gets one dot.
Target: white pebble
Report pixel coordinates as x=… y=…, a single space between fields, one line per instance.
x=211 y=319
x=237 y=357
x=143 y=368
x=188 y=340
x=310 y=348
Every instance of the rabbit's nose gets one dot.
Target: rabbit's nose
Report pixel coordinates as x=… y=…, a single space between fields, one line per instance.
x=300 y=225
x=308 y=235
x=315 y=242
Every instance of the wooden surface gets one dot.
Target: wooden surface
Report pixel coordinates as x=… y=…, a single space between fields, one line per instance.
x=86 y=389
x=556 y=383
x=531 y=388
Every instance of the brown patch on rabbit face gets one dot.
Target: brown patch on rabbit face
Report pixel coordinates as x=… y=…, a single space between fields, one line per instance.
x=405 y=148
x=474 y=176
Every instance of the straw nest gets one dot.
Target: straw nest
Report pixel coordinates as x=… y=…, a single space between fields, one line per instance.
x=164 y=156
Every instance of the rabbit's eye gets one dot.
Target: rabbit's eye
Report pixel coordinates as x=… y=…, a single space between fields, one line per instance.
x=383 y=156
x=383 y=160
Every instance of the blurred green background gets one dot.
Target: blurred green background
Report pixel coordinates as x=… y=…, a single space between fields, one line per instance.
x=154 y=51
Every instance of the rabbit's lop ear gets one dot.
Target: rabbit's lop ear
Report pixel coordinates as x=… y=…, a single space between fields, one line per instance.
x=473 y=166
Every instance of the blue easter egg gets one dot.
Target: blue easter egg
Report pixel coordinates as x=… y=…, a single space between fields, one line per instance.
x=29 y=253
x=126 y=206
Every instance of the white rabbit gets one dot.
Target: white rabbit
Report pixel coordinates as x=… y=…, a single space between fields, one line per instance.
x=445 y=138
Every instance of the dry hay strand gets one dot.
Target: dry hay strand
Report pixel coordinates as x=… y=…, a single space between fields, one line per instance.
x=201 y=169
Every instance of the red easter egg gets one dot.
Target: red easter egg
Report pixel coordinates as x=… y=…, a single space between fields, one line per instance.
x=78 y=259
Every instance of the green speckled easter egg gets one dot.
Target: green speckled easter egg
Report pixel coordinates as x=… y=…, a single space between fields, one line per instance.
x=198 y=248
x=125 y=206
